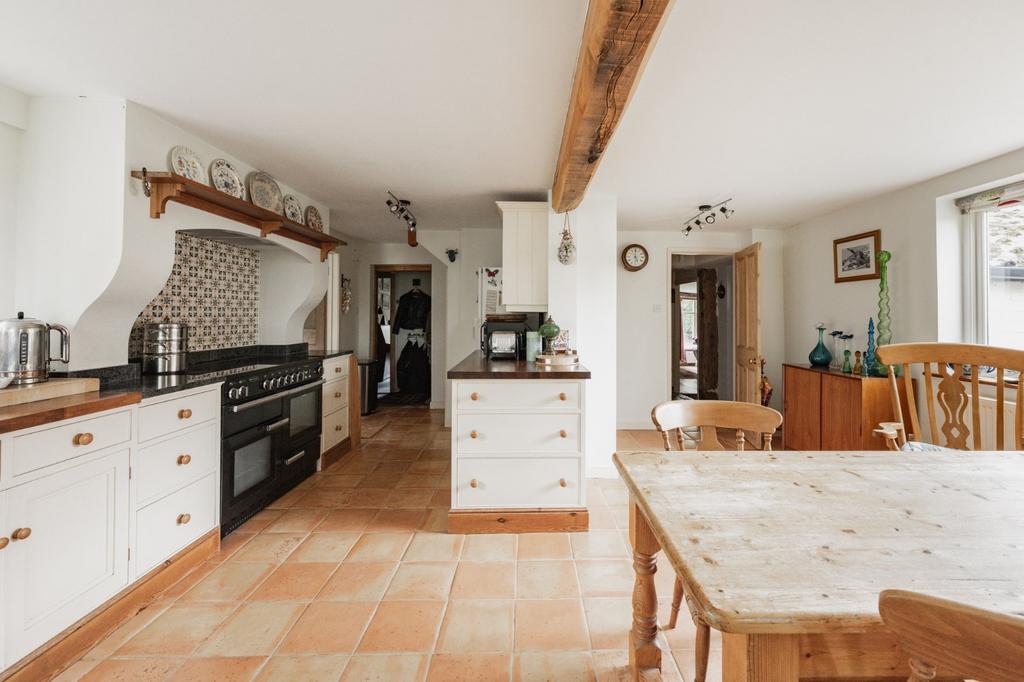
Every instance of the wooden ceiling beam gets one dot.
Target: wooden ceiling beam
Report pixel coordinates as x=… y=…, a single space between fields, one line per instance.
x=618 y=37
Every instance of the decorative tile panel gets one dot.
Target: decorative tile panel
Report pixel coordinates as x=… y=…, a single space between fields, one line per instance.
x=214 y=288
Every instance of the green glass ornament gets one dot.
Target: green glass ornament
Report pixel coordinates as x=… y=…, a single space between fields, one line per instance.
x=884 y=312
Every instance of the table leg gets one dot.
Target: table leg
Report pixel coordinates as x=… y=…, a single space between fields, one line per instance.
x=760 y=658
x=644 y=653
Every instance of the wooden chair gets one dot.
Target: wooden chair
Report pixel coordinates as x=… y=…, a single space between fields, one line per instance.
x=945 y=387
x=952 y=639
x=708 y=416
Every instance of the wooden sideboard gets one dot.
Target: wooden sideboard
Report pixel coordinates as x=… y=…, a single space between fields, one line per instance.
x=829 y=410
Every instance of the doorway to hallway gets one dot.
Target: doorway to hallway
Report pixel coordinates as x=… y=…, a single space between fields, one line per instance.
x=400 y=333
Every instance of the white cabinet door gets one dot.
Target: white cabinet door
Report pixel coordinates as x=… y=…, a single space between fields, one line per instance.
x=524 y=242
x=75 y=555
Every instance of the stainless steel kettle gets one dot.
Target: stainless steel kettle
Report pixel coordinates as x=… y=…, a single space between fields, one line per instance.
x=25 y=349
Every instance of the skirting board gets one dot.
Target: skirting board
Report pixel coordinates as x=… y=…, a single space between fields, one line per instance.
x=334 y=454
x=526 y=521
x=53 y=657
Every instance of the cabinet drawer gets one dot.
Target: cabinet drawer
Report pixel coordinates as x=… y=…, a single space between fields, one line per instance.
x=335 y=428
x=178 y=413
x=336 y=368
x=511 y=482
x=479 y=433
x=335 y=396
x=162 y=528
x=513 y=394
x=167 y=466
x=71 y=439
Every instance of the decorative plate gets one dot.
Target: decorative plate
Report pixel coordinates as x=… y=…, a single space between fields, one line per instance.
x=224 y=178
x=186 y=163
x=313 y=218
x=265 y=192
x=292 y=209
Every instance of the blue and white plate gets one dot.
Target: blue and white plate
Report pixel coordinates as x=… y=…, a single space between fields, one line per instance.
x=265 y=192
x=224 y=178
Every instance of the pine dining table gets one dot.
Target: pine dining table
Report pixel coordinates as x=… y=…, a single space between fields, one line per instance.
x=785 y=553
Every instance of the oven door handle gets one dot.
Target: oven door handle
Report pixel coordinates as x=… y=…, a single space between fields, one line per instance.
x=294 y=458
x=235 y=409
x=305 y=387
x=276 y=425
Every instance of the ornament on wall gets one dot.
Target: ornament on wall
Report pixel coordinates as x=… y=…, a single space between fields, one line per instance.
x=346 y=295
x=567 y=247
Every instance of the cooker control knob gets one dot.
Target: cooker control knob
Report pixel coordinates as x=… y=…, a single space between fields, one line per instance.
x=243 y=391
x=267 y=384
x=233 y=393
x=278 y=382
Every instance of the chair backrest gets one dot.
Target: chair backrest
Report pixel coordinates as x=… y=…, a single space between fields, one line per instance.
x=949 y=394
x=956 y=639
x=710 y=415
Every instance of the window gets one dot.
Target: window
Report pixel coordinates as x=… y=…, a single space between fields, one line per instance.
x=995 y=293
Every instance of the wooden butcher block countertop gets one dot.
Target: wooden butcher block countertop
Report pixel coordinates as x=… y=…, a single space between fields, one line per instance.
x=39 y=412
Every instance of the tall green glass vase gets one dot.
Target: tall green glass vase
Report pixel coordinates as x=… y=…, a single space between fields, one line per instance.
x=884 y=312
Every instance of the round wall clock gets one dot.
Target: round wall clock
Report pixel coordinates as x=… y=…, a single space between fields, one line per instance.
x=634 y=257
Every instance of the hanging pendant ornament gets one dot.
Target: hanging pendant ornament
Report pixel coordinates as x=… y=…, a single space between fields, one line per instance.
x=567 y=247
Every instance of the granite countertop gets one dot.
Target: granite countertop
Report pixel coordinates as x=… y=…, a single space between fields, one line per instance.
x=39 y=412
x=476 y=366
x=328 y=354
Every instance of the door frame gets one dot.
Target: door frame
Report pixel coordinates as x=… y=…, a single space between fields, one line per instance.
x=668 y=293
x=375 y=272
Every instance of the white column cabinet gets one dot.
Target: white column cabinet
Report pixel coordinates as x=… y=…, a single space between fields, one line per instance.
x=524 y=255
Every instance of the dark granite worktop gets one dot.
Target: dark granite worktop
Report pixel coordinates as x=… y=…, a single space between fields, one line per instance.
x=476 y=366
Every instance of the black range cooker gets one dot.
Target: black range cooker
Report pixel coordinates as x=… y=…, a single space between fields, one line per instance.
x=270 y=434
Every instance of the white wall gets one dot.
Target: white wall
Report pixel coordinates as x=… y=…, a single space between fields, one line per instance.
x=13 y=121
x=921 y=228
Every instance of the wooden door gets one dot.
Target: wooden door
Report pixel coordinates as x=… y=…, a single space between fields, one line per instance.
x=75 y=556
x=748 y=324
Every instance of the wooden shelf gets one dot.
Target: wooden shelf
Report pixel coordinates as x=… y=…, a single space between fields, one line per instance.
x=166 y=187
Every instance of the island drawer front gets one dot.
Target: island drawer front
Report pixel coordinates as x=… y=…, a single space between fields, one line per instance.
x=336 y=368
x=544 y=432
x=40 y=449
x=335 y=428
x=172 y=415
x=169 y=465
x=512 y=482
x=335 y=396
x=162 y=526
x=517 y=394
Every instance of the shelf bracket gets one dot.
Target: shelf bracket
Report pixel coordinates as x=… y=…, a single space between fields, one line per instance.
x=160 y=194
x=269 y=227
x=325 y=250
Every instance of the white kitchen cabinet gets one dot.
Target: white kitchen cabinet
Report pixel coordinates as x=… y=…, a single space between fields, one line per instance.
x=524 y=255
x=73 y=555
x=335 y=393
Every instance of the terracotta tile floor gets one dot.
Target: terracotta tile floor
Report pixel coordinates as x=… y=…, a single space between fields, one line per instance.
x=352 y=576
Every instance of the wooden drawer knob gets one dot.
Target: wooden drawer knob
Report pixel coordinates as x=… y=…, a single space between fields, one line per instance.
x=337 y=394
x=473 y=434
x=563 y=397
x=562 y=482
x=4 y=542
x=184 y=459
x=563 y=433
x=184 y=414
x=474 y=396
x=183 y=519
x=337 y=427
x=337 y=370
x=473 y=483
x=82 y=439
x=21 y=534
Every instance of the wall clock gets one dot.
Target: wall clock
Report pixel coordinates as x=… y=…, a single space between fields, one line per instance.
x=634 y=257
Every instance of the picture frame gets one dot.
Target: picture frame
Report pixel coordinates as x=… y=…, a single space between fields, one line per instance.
x=855 y=258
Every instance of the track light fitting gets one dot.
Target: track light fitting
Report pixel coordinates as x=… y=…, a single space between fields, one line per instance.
x=400 y=209
x=706 y=215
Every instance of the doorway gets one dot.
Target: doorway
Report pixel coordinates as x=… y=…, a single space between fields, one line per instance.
x=703 y=309
x=400 y=333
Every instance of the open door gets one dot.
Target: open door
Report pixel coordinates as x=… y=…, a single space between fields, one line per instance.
x=748 y=325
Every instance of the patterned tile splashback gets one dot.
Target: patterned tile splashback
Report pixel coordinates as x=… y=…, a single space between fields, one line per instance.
x=215 y=288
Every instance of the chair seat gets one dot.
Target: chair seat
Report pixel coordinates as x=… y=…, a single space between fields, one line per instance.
x=917 y=446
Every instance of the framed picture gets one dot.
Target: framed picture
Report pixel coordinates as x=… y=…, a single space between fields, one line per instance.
x=856 y=258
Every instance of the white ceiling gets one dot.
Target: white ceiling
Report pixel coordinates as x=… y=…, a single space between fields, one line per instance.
x=798 y=107
x=793 y=107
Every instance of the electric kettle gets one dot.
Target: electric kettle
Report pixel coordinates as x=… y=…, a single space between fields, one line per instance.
x=25 y=349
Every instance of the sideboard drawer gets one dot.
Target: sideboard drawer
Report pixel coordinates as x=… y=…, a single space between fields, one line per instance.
x=39 y=449
x=335 y=428
x=167 y=466
x=510 y=482
x=335 y=396
x=544 y=432
x=516 y=394
x=172 y=415
x=336 y=368
x=170 y=524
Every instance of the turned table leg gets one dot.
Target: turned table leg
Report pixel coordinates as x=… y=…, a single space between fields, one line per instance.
x=644 y=652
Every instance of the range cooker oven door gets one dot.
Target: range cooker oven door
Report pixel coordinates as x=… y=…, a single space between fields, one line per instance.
x=250 y=470
x=303 y=409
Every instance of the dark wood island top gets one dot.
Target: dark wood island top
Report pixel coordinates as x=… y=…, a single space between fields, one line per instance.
x=476 y=366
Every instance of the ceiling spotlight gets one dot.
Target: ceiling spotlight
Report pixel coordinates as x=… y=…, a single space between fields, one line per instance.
x=709 y=218
x=726 y=211
x=400 y=209
x=707 y=215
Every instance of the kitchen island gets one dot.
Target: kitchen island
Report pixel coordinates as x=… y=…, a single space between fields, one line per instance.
x=518 y=455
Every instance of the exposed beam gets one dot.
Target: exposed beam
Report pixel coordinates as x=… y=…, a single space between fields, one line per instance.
x=618 y=37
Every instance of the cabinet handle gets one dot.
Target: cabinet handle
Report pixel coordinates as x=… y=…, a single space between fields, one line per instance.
x=473 y=483
x=184 y=414
x=184 y=459
x=21 y=534
x=337 y=394
x=183 y=519
x=337 y=370
x=472 y=434
x=474 y=396
x=562 y=482
x=337 y=427
x=82 y=439
x=563 y=397
x=4 y=542
x=563 y=433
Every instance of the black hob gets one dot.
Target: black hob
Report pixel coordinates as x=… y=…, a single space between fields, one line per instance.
x=245 y=379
